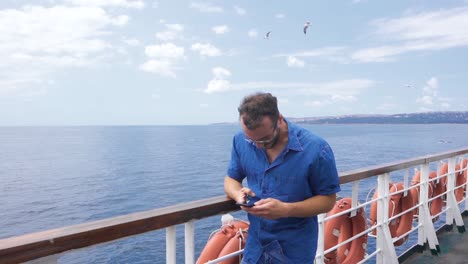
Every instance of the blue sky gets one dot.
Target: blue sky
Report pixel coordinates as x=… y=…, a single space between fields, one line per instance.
x=123 y=62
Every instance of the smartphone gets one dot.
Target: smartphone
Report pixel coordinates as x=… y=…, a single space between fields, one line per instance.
x=249 y=201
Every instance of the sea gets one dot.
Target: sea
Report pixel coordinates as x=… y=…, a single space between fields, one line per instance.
x=52 y=177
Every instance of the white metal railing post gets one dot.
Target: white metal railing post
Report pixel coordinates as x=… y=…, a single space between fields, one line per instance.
x=449 y=217
x=354 y=198
x=466 y=184
x=426 y=231
x=171 y=245
x=406 y=182
x=423 y=193
x=190 y=242
x=453 y=212
x=387 y=253
x=320 y=258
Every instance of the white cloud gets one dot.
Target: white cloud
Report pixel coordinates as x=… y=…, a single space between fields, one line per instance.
x=323 y=52
x=331 y=99
x=435 y=30
x=280 y=16
x=167 y=50
x=132 y=42
x=206 y=49
x=161 y=67
x=174 y=31
x=387 y=107
x=425 y=99
x=240 y=11
x=216 y=85
x=336 y=90
x=316 y=103
x=252 y=33
x=206 y=7
x=162 y=59
x=139 y=4
x=431 y=87
x=220 y=29
x=332 y=53
x=219 y=83
x=221 y=73
x=38 y=40
x=343 y=98
x=429 y=92
x=295 y=62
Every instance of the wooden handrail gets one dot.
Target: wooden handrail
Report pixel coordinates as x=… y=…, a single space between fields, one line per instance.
x=46 y=243
x=40 y=244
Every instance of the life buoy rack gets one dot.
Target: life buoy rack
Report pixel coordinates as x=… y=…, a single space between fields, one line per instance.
x=398 y=203
x=340 y=229
x=229 y=238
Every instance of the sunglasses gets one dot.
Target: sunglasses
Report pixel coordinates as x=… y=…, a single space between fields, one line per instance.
x=265 y=142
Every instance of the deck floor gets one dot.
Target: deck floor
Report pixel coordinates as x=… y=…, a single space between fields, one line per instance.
x=453 y=249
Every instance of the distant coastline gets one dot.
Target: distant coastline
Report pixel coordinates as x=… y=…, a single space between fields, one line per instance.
x=446 y=117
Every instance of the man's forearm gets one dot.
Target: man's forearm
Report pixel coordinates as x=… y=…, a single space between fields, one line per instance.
x=312 y=206
x=231 y=187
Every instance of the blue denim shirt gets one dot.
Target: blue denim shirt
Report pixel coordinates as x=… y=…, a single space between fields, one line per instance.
x=305 y=168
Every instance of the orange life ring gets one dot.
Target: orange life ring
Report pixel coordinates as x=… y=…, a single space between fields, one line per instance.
x=341 y=228
x=443 y=180
x=228 y=239
x=460 y=179
x=398 y=203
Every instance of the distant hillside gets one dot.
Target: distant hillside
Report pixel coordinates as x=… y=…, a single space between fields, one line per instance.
x=409 y=118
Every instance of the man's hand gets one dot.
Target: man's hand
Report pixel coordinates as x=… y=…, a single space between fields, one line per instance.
x=269 y=208
x=242 y=194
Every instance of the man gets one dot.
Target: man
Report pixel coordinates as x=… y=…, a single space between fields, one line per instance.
x=292 y=171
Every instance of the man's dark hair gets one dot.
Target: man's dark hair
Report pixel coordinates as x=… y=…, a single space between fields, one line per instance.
x=255 y=107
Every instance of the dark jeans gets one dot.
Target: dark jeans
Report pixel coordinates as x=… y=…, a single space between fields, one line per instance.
x=272 y=254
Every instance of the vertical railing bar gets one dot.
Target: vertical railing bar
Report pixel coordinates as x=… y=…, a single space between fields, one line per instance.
x=384 y=238
x=354 y=198
x=450 y=189
x=320 y=257
x=423 y=193
x=425 y=217
x=466 y=185
x=171 y=245
x=190 y=242
x=405 y=182
x=451 y=199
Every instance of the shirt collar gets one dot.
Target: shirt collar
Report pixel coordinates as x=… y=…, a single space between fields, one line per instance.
x=293 y=140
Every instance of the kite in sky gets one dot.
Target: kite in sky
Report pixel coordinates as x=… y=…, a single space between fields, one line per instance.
x=267 y=35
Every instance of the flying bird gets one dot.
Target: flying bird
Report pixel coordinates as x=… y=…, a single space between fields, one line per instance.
x=267 y=35
x=407 y=85
x=306 y=25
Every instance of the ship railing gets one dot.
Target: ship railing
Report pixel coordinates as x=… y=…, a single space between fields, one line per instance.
x=46 y=246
